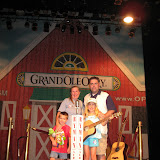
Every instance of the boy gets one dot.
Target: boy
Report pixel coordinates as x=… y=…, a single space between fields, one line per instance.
x=59 y=142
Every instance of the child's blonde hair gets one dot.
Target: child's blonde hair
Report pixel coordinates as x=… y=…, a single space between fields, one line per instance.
x=86 y=113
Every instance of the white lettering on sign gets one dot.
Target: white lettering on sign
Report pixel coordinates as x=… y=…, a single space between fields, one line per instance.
x=77 y=137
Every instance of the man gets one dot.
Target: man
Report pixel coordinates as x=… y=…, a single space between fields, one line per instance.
x=106 y=106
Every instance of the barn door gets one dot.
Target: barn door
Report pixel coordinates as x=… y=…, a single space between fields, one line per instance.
x=42 y=117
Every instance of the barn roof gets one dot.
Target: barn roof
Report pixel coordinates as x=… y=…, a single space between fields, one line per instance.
x=103 y=44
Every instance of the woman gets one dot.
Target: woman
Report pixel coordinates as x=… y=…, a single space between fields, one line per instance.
x=69 y=105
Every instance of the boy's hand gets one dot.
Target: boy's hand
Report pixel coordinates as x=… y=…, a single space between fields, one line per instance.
x=54 y=143
x=68 y=150
x=53 y=140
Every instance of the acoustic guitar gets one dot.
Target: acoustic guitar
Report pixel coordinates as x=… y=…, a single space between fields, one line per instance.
x=119 y=148
x=89 y=127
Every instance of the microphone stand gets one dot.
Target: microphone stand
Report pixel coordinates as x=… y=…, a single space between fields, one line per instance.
x=77 y=106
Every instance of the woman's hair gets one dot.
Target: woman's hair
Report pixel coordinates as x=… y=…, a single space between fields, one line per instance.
x=71 y=91
x=86 y=113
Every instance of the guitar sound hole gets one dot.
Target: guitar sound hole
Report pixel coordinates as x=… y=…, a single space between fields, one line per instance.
x=117 y=149
x=115 y=158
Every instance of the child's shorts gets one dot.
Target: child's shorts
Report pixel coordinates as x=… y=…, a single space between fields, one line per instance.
x=91 y=142
x=58 y=155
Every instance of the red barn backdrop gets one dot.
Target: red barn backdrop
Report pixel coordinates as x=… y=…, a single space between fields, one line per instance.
x=40 y=77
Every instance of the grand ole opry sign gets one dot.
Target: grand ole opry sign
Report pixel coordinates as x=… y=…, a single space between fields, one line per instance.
x=64 y=80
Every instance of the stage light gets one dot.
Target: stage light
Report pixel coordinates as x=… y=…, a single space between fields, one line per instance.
x=117 y=29
x=57 y=26
x=108 y=30
x=131 y=33
x=118 y=2
x=34 y=26
x=71 y=29
x=79 y=29
x=113 y=17
x=68 y=20
x=46 y=27
x=95 y=30
x=9 y=24
x=128 y=19
x=63 y=28
x=26 y=24
x=86 y=27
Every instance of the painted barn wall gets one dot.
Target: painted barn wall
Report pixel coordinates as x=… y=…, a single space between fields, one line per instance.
x=40 y=59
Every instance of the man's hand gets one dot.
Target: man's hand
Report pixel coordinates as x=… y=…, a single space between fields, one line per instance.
x=101 y=115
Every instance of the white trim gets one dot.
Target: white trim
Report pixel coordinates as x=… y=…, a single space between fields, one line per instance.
x=24 y=52
x=119 y=63
x=5 y=108
x=49 y=101
x=34 y=136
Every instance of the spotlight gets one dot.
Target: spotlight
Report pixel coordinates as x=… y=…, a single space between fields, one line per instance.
x=118 y=2
x=79 y=29
x=63 y=28
x=108 y=30
x=34 y=26
x=128 y=19
x=68 y=20
x=46 y=27
x=132 y=33
x=9 y=24
x=95 y=30
x=71 y=29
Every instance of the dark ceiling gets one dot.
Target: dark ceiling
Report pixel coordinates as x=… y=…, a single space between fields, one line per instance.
x=139 y=7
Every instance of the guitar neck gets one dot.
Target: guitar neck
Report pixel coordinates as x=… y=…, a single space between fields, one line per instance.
x=119 y=138
x=105 y=119
x=96 y=123
x=120 y=132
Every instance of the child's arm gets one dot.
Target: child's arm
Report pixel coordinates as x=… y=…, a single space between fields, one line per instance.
x=69 y=146
x=53 y=140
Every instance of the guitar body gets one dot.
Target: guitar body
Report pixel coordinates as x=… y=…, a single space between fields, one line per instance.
x=119 y=153
x=89 y=127
x=88 y=131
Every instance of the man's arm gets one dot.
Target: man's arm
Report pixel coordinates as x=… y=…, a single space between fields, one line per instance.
x=110 y=107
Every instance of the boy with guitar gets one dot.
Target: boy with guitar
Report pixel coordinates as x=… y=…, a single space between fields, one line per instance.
x=91 y=141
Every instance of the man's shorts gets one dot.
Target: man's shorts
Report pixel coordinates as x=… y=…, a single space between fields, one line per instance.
x=101 y=149
x=58 y=155
x=91 y=142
